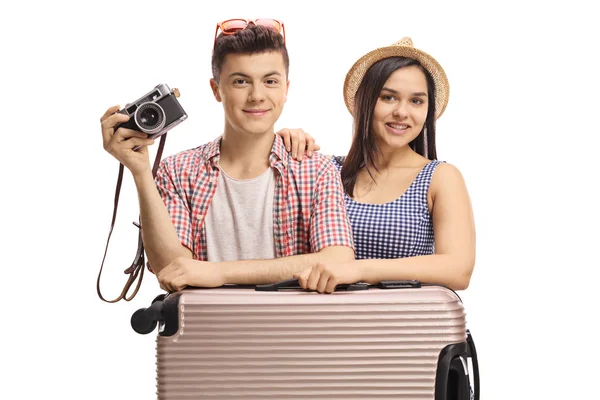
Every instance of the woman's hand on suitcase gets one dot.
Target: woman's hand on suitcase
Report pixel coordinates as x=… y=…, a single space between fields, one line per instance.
x=324 y=277
x=183 y=272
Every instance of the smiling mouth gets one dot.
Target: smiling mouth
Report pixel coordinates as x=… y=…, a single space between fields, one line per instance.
x=396 y=127
x=256 y=112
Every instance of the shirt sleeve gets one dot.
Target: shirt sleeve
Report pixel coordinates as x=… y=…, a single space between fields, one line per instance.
x=173 y=194
x=329 y=224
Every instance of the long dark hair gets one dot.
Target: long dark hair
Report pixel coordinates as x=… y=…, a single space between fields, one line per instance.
x=364 y=149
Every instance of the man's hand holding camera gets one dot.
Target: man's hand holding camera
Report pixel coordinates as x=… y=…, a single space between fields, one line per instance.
x=121 y=143
x=144 y=120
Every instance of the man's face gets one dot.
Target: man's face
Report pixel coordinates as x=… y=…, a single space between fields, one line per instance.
x=253 y=89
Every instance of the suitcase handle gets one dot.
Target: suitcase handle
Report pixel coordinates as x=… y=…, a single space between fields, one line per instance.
x=293 y=284
x=399 y=284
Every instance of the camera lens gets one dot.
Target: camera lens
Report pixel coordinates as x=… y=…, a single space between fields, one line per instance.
x=150 y=118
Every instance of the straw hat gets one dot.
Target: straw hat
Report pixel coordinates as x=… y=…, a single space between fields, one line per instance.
x=404 y=48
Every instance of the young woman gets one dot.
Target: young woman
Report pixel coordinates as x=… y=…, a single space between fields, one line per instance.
x=410 y=213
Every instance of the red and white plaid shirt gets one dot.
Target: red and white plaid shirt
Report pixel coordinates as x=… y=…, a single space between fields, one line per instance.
x=309 y=212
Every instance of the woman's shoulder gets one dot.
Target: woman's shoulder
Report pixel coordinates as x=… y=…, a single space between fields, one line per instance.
x=446 y=175
x=445 y=168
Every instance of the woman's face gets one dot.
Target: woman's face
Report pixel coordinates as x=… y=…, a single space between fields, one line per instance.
x=401 y=109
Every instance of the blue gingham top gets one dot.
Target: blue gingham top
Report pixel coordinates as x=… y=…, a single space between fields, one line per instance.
x=400 y=228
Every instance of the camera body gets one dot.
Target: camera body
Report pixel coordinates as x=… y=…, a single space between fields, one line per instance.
x=155 y=113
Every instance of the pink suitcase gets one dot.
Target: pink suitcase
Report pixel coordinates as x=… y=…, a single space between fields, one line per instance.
x=397 y=340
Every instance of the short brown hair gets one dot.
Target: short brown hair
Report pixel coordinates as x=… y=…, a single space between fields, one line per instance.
x=253 y=39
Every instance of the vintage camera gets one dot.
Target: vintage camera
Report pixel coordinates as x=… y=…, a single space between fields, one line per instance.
x=155 y=113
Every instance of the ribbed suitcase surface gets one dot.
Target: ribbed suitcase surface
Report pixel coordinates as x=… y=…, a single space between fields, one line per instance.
x=372 y=344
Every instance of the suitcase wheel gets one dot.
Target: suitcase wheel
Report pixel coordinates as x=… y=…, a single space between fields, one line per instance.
x=141 y=323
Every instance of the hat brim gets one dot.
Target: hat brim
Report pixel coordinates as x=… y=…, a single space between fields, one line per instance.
x=359 y=69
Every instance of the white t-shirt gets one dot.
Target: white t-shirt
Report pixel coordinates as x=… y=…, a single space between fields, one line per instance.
x=239 y=221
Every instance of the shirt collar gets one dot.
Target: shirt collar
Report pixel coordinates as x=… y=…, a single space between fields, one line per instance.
x=278 y=152
x=212 y=151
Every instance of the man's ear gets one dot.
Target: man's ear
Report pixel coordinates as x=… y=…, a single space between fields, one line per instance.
x=287 y=88
x=214 y=85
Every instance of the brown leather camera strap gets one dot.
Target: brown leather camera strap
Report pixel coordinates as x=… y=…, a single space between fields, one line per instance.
x=136 y=270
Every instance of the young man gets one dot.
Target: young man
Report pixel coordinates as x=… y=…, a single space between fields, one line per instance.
x=239 y=209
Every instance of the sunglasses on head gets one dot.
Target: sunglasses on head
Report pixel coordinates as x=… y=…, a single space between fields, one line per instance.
x=231 y=26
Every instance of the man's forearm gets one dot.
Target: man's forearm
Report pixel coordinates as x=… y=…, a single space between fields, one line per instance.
x=256 y=272
x=161 y=241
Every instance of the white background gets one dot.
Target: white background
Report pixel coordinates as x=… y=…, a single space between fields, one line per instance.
x=520 y=125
